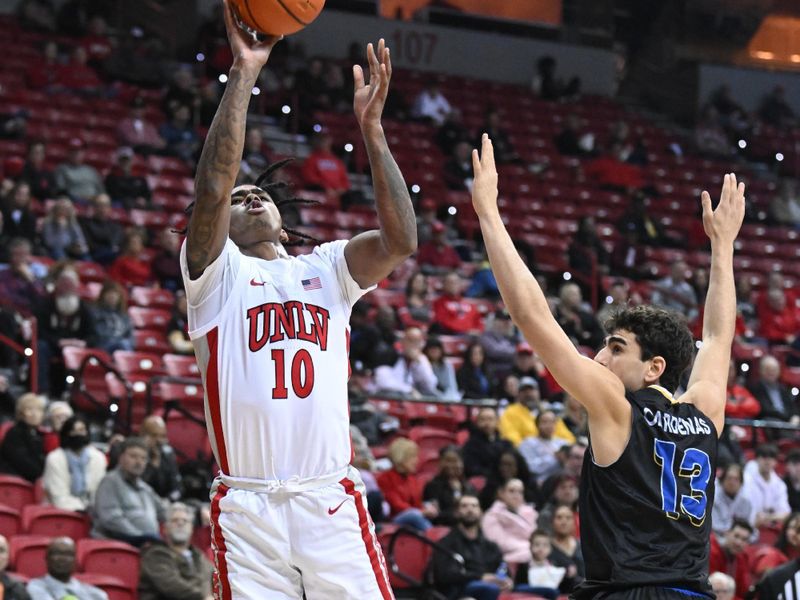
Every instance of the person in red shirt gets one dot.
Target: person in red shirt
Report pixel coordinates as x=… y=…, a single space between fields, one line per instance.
x=78 y=77
x=779 y=320
x=436 y=255
x=96 y=41
x=741 y=403
x=402 y=490
x=323 y=169
x=730 y=556
x=452 y=314
x=611 y=171
x=129 y=269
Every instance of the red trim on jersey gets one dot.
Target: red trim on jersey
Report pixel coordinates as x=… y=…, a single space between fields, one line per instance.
x=212 y=391
x=349 y=373
x=223 y=592
x=370 y=543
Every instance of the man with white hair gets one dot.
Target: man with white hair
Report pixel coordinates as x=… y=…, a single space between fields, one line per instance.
x=775 y=398
x=175 y=570
x=412 y=374
x=724 y=585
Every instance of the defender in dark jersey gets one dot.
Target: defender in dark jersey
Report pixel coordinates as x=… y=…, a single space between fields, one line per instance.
x=648 y=481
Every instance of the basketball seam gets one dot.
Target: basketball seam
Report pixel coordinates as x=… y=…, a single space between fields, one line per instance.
x=291 y=14
x=252 y=16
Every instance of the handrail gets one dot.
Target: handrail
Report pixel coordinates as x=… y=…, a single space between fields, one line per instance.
x=436 y=546
x=78 y=387
x=30 y=351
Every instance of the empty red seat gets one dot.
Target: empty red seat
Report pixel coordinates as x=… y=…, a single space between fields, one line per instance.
x=10 y=522
x=151 y=340
x=54 y=522
x=431 y=437
x=190 y=395
x=188 y=437
x=28 y=554
x=139 y=363
x=114 y=587
x=109 y=556
x=181 y=366
x=15 y=492
x=152 y=297
x=149 y=318
x=90 y=271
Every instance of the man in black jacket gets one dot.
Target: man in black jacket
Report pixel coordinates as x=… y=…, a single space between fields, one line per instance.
x=476 y=567
x=775 y=398
x=484 y=445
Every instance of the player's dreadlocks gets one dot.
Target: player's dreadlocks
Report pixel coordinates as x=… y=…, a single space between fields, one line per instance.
x=280 y=192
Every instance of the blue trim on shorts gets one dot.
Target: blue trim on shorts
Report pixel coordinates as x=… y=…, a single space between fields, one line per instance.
x=688 y=592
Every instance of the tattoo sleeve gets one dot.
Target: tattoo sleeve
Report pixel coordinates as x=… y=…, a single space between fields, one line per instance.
x=216 y=173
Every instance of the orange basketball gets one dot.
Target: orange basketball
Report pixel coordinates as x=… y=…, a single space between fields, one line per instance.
x=278 y=17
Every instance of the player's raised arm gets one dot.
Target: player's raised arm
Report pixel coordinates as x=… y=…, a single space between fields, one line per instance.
x=594 y=386
x=222 y=152
x=707 y=384
x=372 y=255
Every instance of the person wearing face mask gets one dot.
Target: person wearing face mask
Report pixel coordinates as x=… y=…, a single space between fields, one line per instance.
x=22 y=451
x=73 y=471
x=174 y=569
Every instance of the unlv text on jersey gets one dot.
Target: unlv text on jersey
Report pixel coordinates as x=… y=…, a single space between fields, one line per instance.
x=273 y=322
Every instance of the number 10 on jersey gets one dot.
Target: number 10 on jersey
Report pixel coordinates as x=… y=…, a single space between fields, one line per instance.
x=302 y=374
x=694 y=466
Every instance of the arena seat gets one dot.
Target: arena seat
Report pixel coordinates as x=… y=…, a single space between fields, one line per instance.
x=190 y=394
x=15 y=492
x=431 y=438
x=151 y=340
x=28 y=554
x=149 y=318
x=10 y=522
x=188 y=438
x=152 y=297
x=114 y=587
x=147 y=364
x=109 y=556
x=178 y=365
x=89 y=366
x=54 y=522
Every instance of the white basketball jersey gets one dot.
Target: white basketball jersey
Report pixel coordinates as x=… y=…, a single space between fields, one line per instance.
x=271 y=339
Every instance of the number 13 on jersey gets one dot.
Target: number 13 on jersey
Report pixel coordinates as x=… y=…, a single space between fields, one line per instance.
x=695 y=466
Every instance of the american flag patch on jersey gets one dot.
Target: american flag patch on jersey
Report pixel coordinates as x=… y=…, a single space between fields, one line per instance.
x=311 y=284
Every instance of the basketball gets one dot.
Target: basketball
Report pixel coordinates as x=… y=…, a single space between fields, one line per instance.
x=278 y=17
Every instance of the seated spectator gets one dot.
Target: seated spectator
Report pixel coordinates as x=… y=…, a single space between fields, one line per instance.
x=55 y=415
x=426 y=219
x=540 y=451
x=730 y=556
x=649 y=230
x=96 y=42
x=447 y=486
x=504 y=152
x=452 y=315
x=76 y=178
x=18 y=219
x=179 y=134
x=78 y=77
x=178 y=326
x=730 y=502
x=61 y=234
x=129 y=269
x=518 y=421
x=785 y=206
x=527 y=364
x=779 y=321
x=776 y=111
x=458 y=168
x=746 y=301
x=775 y=398
x=484 y=445
x=125 y=507
x=175 y=569
x=510 y=522
x=570 y=463
x=563 y=491
x=412 y=374
x=254 y=157
x=166 y=263
x=578 y=323
x=539 y=576
x=373 y=424
x=43 y=73
x=509 y=465
x=323 y=170
x=723 y=585
x=500 y=341
x=452 y=132
x=138 y=132
x=446 y=383
x=59 y=581
x=437 y=254
x=22 y=448
x=575 y=417
x=181 y=91
x=472 y=378
x=792 y=478
x=111 y=326
x=741 y=404
x=550 y=87
x=484 y=283
x=571 y=141
x=710 y=137
x=13 y=589
x=20 y=284
x=588 y=257
x=367 y=344
x=732 y=115
x=610 y=171
x=783 y=582
x=431 y=105
x=417 y=311
x=124 y=187
x=475 y=575
x=103 y=234
x=675 y=293
x=161 y=472
x=36 y=174
x=566 y=550
x=39 y=15
x=765 y=490
x=73 y=472
x=402 y=490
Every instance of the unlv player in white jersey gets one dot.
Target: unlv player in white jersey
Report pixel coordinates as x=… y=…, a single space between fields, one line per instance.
x=271 y=335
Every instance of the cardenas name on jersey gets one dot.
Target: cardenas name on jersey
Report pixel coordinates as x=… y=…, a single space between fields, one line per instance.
x=676 y=425
x=273 y=322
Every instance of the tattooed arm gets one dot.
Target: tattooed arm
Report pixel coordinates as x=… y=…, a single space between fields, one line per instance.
x=372 y=255
x=222 y=153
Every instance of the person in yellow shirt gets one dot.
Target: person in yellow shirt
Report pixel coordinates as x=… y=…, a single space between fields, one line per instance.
x=518 y=421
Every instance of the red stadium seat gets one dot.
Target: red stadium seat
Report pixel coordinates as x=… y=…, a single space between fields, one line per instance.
x=88 y=366
x=152 y=297
x=15 y=492
x=108 y=556
x=189 y=394
x=149 y=318
x=188 y=437
x=431 y=437
x=181 y=366
x=28 y=554
x=151 y=340
x=115 y=587
x=90 y=271
x=54 y=522
x=139 y=363
x=10 y=522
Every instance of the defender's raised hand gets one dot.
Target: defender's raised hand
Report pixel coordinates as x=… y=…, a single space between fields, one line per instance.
x=722 y=225
x=484 y=186
x=244 y=45
x=370 y=98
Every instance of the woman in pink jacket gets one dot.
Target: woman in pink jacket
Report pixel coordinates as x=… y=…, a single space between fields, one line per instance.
x=510 y=522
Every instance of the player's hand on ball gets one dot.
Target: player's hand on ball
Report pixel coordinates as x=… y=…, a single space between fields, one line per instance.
x=369 y=98
x=247 y=50
x=722 y=225
x=484 y=186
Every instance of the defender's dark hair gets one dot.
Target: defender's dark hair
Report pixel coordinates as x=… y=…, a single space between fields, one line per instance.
x=661 y=333
x=280 y=192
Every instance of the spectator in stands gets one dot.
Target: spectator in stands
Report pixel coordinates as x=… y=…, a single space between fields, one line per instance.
x=452 y=315
x=550 y=87
x=539 y=576
x=745 y=302
x=510 y=522
x=138 y=132
x=412 y=374
x=509 y=465
x=110 y=324
x=783 y=582
x=649 y=230
x=775 y=398
x=570 y=459
x=446 y=383
x=540 y=451
x=402 y=489
x=254 y=157
x=437 y=254
x=22 y=448
x=723 y=585
x=125 y=507
x=610 y=171
x=484 y=284
x=616 y=300
x=43 y=73
x=499 y=342
x=527 y=364
x=452 y=132
x=518 y=420
x=577 y=322
x=418 y=301
x=59 y=581
x=76 y=178
x=776 y=111
x=674 y=292
x=732 y=115
x=178 y=327
x=765 y=490
x=103 y=234
x=730 y=556
x=779 y=321
x=96 y=42
x=484 y=445
x=741 y=403
x=566 y=551
x=710 y=137
x=161 y=472
x=55 y=416
x=18 y=219
x=792 y=478
x=564 y=491
x=37 y=14
x=126 y=188
x=179 y=134
x=570 y=141
x=628 y=256
x=431 y=105
x=426 y=219
x=472 y=378
x=785 y=206
x=13 y=589
x=129 y=268
x=78 y=77
x=504 y=151
x=166 y=263
x=175 y=569
x=458 y=168
x=366 y=343
x=588 y=257
x=61 y=234
x=35 y=173
x=475 y=575
x=448 y=485
x=730 y=503
x=323 y=170
x=20 y=284
x=73 y=472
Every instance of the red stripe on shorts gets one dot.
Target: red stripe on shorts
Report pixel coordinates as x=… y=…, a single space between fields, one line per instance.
x=218 y=542
x=370 y=543
x=212 y=391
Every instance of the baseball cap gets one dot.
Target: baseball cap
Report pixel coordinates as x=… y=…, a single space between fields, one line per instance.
x=524 y=348
x=528 y=382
